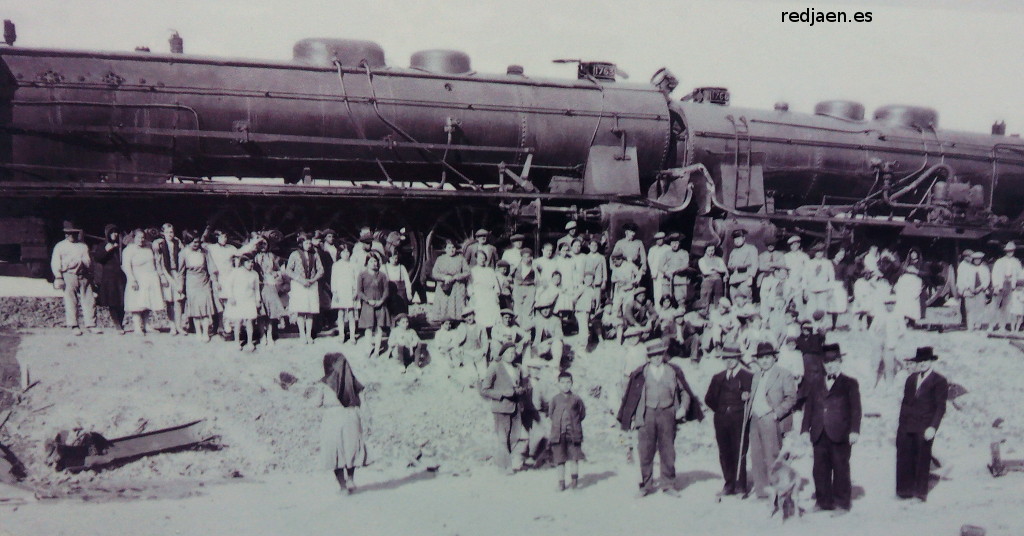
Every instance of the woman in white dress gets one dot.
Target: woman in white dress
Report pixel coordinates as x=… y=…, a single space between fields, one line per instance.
x=344 y=277
x=142 y=292
x=245 y=299
x=305 y=270
x=342 y=448
x=483 y=291
x=222 y=262
x=909 y=289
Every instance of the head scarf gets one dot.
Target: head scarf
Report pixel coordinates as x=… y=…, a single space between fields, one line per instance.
x=338 y=376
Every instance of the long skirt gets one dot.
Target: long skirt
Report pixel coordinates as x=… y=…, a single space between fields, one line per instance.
x=199 y=301
x=449 y=305
x=341 y=439
x=147 y=298
x=303 y=299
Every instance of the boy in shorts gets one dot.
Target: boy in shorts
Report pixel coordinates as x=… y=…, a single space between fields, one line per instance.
x=567 y=413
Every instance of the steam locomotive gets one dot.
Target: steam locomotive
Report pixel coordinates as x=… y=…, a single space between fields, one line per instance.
x=339 y=138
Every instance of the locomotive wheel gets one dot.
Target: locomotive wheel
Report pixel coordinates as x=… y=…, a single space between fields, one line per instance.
x=459 y=225
x=381 y=221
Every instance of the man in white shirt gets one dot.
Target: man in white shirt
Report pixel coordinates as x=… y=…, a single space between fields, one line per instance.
x=655 y=254
x=572 y=232
x=742 y=264
x=72 y=269
x=1006 y=271
x=973 y=281
x=795 y=259
x=513 y=255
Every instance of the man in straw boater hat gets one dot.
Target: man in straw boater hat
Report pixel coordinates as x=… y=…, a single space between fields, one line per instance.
x=924 y=404
x=832 y=415
x=773 y=396
x=727 y=396
x=72 y=273
x=657 y=398
x=1006 y=271
x=973 y=281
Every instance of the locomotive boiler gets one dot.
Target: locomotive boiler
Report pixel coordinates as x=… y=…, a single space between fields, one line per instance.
x=337 y=137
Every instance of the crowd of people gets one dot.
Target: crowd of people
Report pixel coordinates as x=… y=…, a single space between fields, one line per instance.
x=511 y=318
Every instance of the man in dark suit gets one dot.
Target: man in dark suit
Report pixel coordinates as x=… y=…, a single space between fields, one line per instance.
x=657 y=398
x=727 y=397
x=832 y=417
x=924 y=404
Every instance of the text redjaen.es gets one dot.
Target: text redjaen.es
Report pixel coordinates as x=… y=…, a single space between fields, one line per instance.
x=811 y=16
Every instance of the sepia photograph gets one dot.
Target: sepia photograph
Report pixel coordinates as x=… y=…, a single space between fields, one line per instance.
x=520 y=267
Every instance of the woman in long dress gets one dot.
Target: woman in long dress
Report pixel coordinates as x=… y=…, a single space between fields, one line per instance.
x=344 y=278
x=341 y=429
x=450 y=272
x=372 y=291
x=142 y=292
x=112 y=281
x=199 y=300
x=400 y=285
x=483 y=291
x=304 y=270
x=274 y=311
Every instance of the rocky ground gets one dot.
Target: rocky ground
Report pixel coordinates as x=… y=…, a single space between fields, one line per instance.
x=264 y=479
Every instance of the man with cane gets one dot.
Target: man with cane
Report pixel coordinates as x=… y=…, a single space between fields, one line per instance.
x=728 y=396
x=773 y=396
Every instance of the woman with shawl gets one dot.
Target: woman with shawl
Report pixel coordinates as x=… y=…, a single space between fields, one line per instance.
x=341 y=430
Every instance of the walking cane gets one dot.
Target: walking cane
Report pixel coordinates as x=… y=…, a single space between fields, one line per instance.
x=743 y=432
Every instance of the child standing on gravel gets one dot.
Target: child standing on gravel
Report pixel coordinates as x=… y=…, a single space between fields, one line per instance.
x=567 y=413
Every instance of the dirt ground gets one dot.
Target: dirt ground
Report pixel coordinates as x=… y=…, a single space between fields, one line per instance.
x=265 y=480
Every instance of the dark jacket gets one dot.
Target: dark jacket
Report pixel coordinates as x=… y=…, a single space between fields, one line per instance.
x=635 y=392
x=502 y=390
x=714 y=399
x=924 y=407
x=567 y=410
x=834 y=412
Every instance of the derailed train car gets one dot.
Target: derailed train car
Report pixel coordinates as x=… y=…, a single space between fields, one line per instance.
x=439 y=150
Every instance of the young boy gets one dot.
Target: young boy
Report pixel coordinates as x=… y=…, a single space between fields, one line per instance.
x=567 y=413
x=405 y=343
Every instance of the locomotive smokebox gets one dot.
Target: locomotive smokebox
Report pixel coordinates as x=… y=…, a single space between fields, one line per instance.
x=441 y=62
x=349 y=52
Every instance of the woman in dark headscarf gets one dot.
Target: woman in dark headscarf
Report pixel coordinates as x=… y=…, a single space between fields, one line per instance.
x=341 y=432
x=112 y=280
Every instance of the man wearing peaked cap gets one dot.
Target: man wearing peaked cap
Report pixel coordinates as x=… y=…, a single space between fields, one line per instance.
x=832 y=416
x=513 y=255
x=727 y=396
x=72 y=273
x=742 y=264
x=1006 y=271
x=921 y=412
x=572 y=232
x=795 y=259
x=773 y=396
x=481 y=244
x=656 y=398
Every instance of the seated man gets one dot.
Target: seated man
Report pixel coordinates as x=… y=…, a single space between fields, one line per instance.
x=639 y=317
x=547 y=334
x=508 y=332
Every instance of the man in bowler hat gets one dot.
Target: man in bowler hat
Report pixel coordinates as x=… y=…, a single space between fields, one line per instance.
x=832 y=416
x=924 y=404
x=727 y=396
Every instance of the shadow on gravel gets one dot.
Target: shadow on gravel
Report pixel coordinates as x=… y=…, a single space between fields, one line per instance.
x=684 y=480
x=589 y=480
x=397 y=483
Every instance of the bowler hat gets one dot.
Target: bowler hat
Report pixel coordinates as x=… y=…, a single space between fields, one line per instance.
x=658 y=235
x=675 y=237
x=924 y=353
x=70 y=227
x=831 y=352
x=765 y=348
x=571 y=225
x=738 y=233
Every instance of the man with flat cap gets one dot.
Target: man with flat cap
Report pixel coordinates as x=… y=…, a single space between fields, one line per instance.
x=727 y=396
x=832 y=415
x=513 y=254
x=674 y=263
x=657 y=398
x=655 y=256
x=572 y=232
x=481 y=244
x=72 y=274
x=924 y=404
x=773 y=395
x=742 y=265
